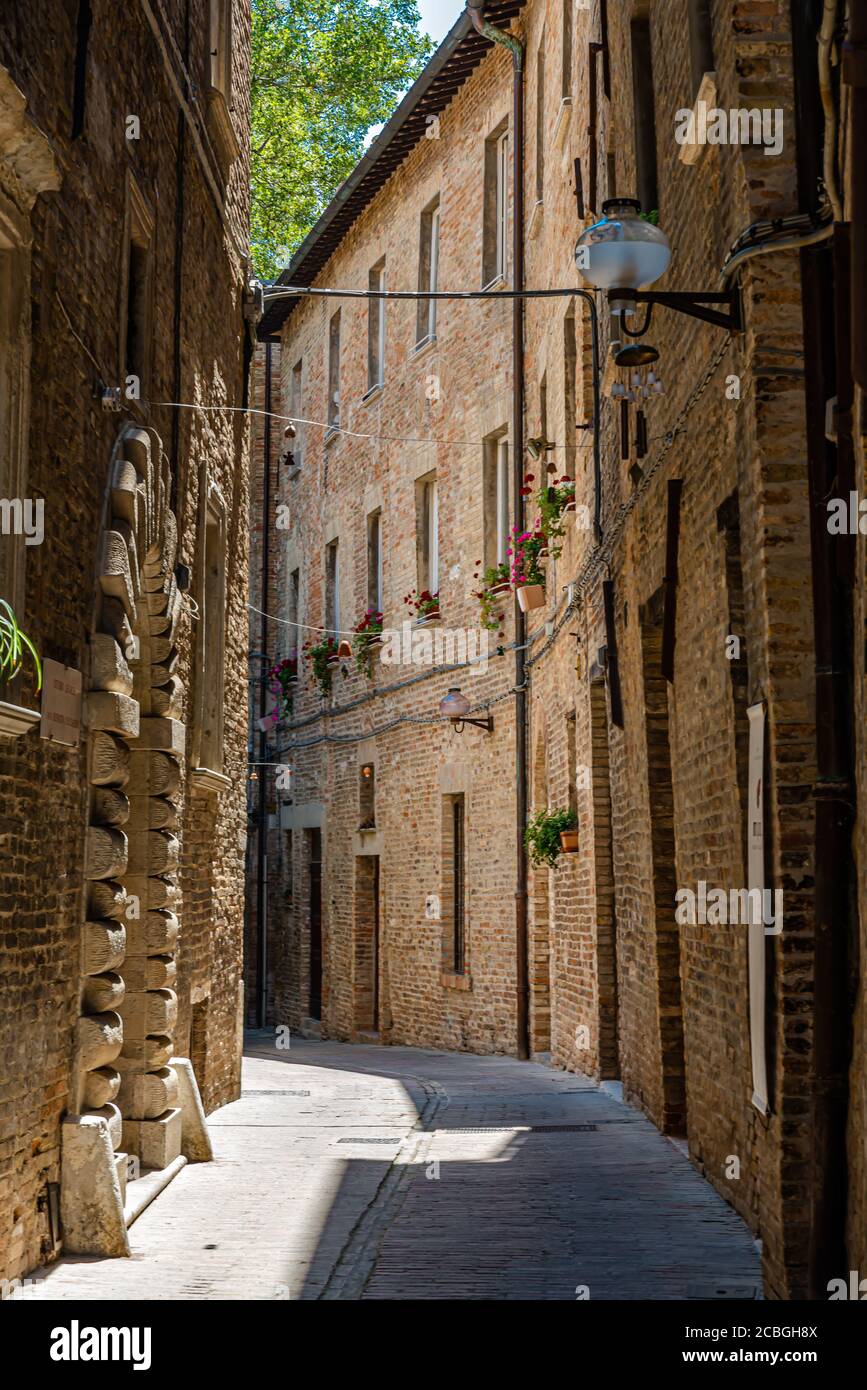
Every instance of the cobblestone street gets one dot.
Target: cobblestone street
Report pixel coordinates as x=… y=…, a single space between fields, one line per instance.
x=395 y=1173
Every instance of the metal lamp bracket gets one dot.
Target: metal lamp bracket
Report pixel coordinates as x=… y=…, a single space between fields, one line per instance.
x=691 y=304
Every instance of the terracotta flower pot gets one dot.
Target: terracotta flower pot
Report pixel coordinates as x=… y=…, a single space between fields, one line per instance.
x=531 y=596
x=569 y=841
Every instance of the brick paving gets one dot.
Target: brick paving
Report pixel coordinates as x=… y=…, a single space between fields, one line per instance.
x=348 y=1172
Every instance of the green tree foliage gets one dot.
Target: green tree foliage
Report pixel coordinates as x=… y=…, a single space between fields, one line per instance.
x=324 y=72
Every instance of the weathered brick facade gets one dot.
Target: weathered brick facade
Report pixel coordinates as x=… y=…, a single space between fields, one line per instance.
x=124 y=192
x=618 y=987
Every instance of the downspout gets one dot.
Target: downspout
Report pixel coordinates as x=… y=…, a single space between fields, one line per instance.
x=835 y=928
x=499 y=36
x=261 y=924
x=180 y=218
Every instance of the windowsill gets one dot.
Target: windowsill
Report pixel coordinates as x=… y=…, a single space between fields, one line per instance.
x=424 y=345
x=691 y=154
x=205 y=780
x=450 y=979
x=536 y=217
x=429 y=620
x=220 y=121
x=16 y=720
x=293 y=472
x=333 y=432
x=372 y=392
x=499 y=282
x=562 y=122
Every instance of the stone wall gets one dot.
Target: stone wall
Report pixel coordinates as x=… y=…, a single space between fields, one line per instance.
x=192 y=353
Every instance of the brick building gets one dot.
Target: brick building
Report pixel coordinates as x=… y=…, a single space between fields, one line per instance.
x=124 y=191
x=686 y=689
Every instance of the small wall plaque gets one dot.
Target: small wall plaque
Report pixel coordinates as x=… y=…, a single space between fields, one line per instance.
x=61 y=703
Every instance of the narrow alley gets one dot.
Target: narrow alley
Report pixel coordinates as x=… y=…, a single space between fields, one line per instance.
x=362 y=1172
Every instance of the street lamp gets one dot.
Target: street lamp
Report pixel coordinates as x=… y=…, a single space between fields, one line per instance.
x=456 y=707
x=623 y=252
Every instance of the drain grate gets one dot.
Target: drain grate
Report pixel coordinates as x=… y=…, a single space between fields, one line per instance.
x=244 y=1094
x=366 y=1139
x=523 y=1129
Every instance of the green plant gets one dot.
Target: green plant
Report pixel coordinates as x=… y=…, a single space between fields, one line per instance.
x=542 y=836
x=525 y=550
x=14 y=644
x=368 y=630
x=320 y=654
x=282 y=679
x=425 y=603
x=552 y=502
x=651 y=217
x=490 y=602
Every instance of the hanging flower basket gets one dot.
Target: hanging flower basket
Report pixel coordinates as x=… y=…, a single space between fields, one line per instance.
x=544 y=836
x=369 y=638
x=495 y=587
x=282 y=680
x=323 y=658
x=426 y=606
x=528 y=577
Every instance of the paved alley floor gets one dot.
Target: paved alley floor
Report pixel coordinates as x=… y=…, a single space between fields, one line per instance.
x=348 y=1172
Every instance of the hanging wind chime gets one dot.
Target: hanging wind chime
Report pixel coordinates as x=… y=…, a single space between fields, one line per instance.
x=637 y=382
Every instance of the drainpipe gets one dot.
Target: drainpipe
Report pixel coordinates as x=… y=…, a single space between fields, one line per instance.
x=854 y=76
x=835 y=924
x=261 y=924
x=499 y=36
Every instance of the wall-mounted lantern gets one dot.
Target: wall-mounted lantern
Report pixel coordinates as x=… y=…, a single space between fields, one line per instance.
x=456 y=707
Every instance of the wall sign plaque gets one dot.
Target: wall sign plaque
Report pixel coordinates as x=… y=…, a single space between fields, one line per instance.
x=61 y=703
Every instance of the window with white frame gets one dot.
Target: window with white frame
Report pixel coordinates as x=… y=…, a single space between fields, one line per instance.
x=332 y=590
x=376 y=328
x=566 y=72
x=212 y=633
x=333 y=416
x=428 y=272
x=296 y=410
x=374 y=561
x=496 y=202
x=497 y=500
x=427 y=534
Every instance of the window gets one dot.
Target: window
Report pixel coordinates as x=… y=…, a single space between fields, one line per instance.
x=294 y=607
x=644 y=115
x=137 y=295
x=566 y=77
x=220 y=47
x=496 y=203
x=454 y=892
x=700 y=41
x=611 y=167
x=376 y=329
x=332 y=590
x=219 y=82
x=296 y=410
x=570 y=356
x=427 y=534
x=428 y=272
x=212 y=627
x=334 y=372
x=367 y=797
x=540 y=120
x=374 y=561
x=497 y=500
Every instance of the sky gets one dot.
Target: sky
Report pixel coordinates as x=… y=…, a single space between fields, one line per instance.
x=438 y=16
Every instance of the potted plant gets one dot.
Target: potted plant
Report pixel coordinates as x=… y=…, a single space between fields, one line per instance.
x=369 y=637
x=527 y=574
x=425 y=604
x=549 y=834
x=495 y=585
x=282 y=680
x=15 y=646
x=554 y=502
x=323 y=658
